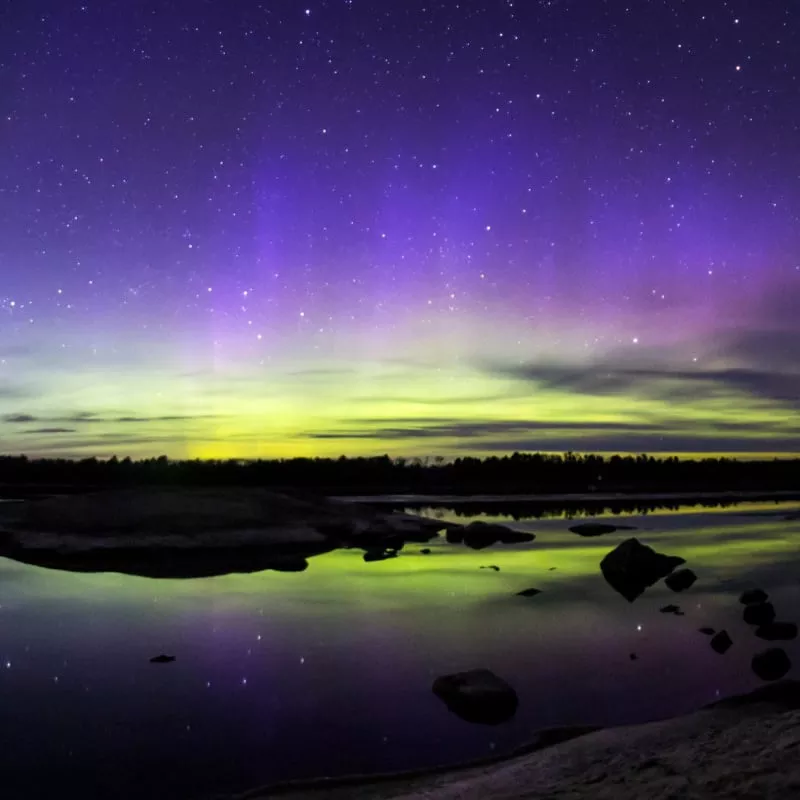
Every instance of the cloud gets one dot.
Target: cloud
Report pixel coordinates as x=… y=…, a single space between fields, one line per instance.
x=50 y=430
x=664 y=382
x=19 y=418
x=91 y=417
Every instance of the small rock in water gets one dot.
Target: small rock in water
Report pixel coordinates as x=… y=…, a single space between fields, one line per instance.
x=633 y=657
x=777 y=631
x=492 y=566
x=670 y=609
x=680 y=580
x=707 y=631
x=477 y=696
x=426 y=551
x=162 y=659
x=759 y=613
x=721 y=643
x=529 y=592
x=771 y=665
x=632 y=566
x=753 y=596
x=379 y=555
x=552 y=569
x=596 y=528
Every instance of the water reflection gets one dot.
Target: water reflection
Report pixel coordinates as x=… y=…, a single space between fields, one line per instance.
x=284 y=675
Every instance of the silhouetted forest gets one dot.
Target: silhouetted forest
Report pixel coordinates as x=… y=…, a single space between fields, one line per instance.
x=520 y=473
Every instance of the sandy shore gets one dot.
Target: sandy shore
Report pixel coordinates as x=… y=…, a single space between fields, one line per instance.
x=746 y=747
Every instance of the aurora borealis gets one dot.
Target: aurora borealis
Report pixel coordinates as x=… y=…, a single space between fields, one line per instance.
x=289 y=228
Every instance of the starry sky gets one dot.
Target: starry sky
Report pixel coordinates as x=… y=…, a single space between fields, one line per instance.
x=316 y=227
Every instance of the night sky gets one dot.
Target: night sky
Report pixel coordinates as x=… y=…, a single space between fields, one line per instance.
x=240 y=229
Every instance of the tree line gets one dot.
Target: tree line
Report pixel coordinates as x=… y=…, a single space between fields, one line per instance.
x=517 y=473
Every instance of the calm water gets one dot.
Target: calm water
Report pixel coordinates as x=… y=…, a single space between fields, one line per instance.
x=329 y=671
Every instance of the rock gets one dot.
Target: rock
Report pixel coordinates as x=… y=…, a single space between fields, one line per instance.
x=707 y=631
x=477 y=696
x=426 y=551
x=777 y=631
x=759 y=613
x=454 y=536
x=492 y=566
x=680 y=580
x=633 y=657
x=379 y=555
x=529 y=592
x=669 y=609
x=771 y=665
x=721 y=643
x=595 y=528
x=479 y=535
x=752 y=596
x=632 y=566
x=162 y=659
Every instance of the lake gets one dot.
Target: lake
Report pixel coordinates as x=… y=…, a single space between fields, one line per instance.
x=329 y=671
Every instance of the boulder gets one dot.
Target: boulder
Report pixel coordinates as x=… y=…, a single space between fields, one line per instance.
x=680 y=580
x=777 y=631
x=771 y=665
x=379 y=554
x=752 y=596
x=759 y=613
x=477 y=696
x=479 y=535
x=426 y=551
x=632 y=567
x=721 y=643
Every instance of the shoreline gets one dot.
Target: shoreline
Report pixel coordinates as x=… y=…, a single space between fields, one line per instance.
x=566 y=499
x=575 y=759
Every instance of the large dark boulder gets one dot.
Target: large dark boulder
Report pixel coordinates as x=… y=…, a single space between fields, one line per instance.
x=477 y=696
x=681 y=580
x=632 y=567
x=759 y=613
x=598 y=528
x=721 y=642
x=752 y=596
x=777 y=631
x=771 y=665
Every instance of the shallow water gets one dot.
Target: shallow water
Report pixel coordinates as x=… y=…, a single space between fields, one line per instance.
x=329 y=671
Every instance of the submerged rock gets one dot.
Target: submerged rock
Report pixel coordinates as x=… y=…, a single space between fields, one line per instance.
x=681 y=580
x=777 y=631
x=752 y=596
x=632 y=567
x=721 y=643
x=771 y=665
x=477 y=696
x=162 y=659
x=529 y=592
x=598 y=528
x=759 y=613
x=479 y=535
